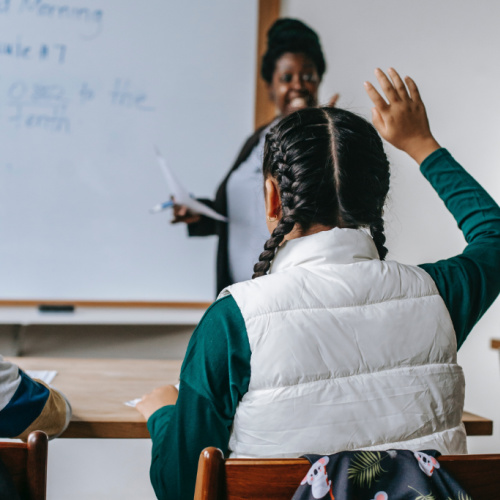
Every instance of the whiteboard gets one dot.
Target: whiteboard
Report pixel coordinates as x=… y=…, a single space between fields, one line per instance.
x=87 y=89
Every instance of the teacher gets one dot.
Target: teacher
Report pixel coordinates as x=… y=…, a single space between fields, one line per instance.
x=292 y=68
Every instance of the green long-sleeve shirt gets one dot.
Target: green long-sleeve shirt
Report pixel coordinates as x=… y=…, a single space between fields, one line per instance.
x=216 y=370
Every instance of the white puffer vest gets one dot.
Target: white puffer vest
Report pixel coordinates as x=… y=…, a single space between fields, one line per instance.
x=348 y=352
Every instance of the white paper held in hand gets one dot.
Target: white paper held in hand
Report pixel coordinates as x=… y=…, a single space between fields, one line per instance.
x=180 y=194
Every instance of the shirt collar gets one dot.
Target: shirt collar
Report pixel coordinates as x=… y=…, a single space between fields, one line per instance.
x=335 y=246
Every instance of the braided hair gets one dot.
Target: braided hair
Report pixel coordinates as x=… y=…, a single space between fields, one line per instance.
x=331 y=170
x=291 y=35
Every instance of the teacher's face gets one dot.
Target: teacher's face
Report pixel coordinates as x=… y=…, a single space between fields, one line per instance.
x=295 y=83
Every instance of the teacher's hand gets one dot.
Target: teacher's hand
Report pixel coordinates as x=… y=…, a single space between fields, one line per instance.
x=402 y=121
x=184 y=214
x=333 y=100
x=160 y=397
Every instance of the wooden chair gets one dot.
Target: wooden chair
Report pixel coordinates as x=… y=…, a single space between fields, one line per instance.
x=277 y=478
x=27 y=465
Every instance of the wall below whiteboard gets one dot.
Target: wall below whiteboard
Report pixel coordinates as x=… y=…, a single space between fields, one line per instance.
x=27 y=316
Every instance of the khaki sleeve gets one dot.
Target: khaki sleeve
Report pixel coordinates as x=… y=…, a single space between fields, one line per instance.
x=54 y=417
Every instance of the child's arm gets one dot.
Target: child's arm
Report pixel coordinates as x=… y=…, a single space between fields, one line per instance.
x=214 y=377
x=470 y=282
x=28 y=405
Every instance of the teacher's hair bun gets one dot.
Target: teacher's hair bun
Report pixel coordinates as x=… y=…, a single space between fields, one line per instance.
x=291 y=35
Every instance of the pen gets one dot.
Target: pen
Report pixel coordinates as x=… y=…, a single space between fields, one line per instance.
x=161 y=206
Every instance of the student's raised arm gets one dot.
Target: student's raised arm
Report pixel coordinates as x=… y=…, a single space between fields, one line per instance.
x=470 y=282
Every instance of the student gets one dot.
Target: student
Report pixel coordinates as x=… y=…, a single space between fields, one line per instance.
x=28 y=405
x=332 y=348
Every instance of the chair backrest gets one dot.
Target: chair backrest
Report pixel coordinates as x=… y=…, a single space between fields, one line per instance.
x=27 y=465
x=277 y=478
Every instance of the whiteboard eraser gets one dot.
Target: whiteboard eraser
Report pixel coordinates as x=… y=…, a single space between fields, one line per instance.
x=56 y=308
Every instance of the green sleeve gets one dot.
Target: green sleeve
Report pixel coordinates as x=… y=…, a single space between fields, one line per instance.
x=470 y=282
x=214 y=377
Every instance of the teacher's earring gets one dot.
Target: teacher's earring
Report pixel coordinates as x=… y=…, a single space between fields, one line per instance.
x=272 y=219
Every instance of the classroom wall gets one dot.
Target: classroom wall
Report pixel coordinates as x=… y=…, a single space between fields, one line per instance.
x=451 y=49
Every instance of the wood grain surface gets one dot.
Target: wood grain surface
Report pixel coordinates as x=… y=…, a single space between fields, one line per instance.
x=98 y=388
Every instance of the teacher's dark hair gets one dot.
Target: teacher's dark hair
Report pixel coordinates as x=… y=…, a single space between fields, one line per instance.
x=291 y=35
x=331 y=169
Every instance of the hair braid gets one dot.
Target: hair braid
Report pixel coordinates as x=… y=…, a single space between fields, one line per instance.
x=284 y=176
x=378 y=235
x=285 y=225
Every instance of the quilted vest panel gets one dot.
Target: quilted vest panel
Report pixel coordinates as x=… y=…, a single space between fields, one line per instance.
x=348 y=352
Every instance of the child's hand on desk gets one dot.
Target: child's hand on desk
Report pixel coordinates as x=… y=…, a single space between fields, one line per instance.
x=160 y=397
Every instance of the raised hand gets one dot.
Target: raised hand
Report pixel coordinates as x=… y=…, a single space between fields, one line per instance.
x=401 y=119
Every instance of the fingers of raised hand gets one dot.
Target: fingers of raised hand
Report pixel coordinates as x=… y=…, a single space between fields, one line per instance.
x=387 y=86
x=413 y=89
x=375 y=97
x=398 y=84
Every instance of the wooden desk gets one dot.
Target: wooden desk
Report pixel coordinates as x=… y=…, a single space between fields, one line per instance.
x=476 y=425
x=98 y=389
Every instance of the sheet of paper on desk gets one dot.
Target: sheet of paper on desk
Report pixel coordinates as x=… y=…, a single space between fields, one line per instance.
x=133 y=402
x=46 y=376
x=180 y=194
